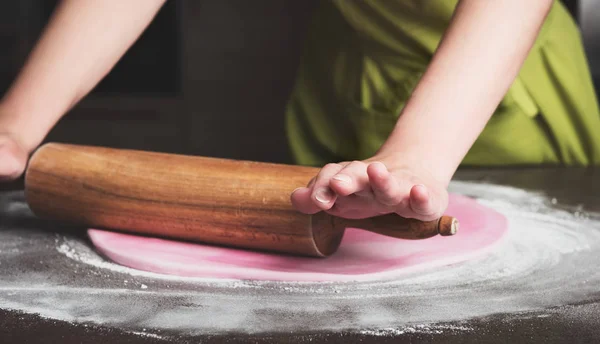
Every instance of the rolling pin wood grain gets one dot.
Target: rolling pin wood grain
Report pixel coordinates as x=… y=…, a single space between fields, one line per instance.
x=217 y=201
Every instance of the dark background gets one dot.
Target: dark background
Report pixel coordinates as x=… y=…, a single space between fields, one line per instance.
x=208 y=77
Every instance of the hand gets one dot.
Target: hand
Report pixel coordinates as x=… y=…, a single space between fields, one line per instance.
x=373 y=187
x=13 y=158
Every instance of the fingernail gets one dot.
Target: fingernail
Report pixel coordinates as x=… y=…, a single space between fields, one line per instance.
x=342 y=178
x=296 y=189
x=323 y=195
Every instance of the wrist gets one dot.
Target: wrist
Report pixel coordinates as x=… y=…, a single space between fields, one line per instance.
x=423 y=165
x=412 y=144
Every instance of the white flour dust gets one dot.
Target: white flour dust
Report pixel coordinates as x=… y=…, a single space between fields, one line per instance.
x=549 y=258
x=421 y=329
x=146 y=334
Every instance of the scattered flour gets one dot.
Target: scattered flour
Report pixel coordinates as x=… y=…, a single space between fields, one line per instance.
x=422 y=329
x=549 y=258
x=147 y=334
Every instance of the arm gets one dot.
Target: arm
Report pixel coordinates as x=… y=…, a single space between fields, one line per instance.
x=471 y=71
x=477 y=60
x=80 y=45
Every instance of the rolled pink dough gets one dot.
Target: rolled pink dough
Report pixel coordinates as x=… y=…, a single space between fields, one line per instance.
x=362 y=256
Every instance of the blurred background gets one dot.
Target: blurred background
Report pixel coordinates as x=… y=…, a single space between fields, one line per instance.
x=208 y=77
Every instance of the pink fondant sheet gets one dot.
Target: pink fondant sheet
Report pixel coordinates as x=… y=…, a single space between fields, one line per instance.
x=362 y=256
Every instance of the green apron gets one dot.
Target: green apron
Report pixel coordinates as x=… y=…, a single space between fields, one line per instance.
x=362 y=60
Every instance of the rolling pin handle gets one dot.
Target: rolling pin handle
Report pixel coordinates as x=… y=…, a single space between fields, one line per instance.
x=447 y=226
x=395 y=226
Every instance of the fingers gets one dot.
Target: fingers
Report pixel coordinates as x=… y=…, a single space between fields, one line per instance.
x=405 y=199
x=317 y=195
x=322 y=195
x=385 y=187
x=12 y=160
x=355 y=207
x=423 y=204
x=10 y=167
x=419 y=200
x=351 y=179
x=302 y=201
x=359 y=190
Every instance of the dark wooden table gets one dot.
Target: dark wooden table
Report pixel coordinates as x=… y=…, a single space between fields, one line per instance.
x=576 y=323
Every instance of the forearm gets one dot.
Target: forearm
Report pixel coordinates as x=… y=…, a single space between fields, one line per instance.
x=80 y=45
x=476 y=62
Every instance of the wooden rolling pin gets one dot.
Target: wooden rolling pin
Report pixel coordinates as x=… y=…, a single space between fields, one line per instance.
x=216 y=201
